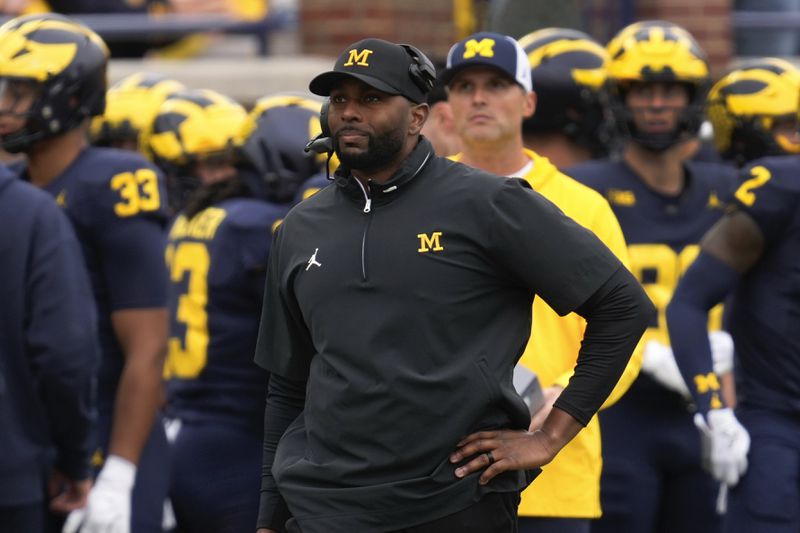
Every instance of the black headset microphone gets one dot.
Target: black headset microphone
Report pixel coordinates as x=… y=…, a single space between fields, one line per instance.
x=322 y=143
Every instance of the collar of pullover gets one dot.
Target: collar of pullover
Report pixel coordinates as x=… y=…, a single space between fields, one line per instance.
x=384 y=192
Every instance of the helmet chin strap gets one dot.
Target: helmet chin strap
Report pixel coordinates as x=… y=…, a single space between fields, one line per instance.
x=21 y=141
x=659 y=142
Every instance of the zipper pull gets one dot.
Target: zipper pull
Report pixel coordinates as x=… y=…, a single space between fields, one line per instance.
x=368 y=205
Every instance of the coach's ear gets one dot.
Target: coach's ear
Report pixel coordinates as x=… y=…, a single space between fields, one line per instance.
x=419 y=114
x=529 y=106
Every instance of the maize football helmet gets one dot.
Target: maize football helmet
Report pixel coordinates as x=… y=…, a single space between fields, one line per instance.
x=63 y=63
x=569 y=70
x=273 y=140
x=193 y=126
x=746 y=105
x=131 y=105
x=652 y=52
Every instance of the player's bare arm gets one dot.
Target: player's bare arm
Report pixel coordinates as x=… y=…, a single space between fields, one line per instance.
x=142 y=333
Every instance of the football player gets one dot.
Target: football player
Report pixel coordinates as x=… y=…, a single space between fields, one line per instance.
x=175 y=154
x=52 y=81
x=569 y=70
x=273 y=142
x=753 y=110
x=48 y=366
x=658 y=77
x=751 y=253
x=217 y=254
x=131 y=106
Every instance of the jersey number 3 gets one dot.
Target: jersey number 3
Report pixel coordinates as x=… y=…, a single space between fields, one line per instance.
x=187 y=357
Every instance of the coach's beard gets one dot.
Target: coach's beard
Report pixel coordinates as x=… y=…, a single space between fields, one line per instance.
x=381 y=150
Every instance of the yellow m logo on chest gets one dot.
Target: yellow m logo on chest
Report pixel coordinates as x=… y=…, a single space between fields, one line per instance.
x=358 y=57
x=483 y=48
x=430 y=243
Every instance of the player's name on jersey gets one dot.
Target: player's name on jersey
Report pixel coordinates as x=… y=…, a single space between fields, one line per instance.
x=202 y=226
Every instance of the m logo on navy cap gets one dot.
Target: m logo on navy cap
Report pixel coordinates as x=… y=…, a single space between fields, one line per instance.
x=484 y=47
x=489 y=50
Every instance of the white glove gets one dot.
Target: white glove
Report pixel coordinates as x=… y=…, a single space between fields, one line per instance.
x=725 y=444
x=721 y=351
x=109 y=507
x=659 y=363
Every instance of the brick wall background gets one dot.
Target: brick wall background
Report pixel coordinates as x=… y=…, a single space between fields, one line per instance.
x=328 y=26
x=707 y=20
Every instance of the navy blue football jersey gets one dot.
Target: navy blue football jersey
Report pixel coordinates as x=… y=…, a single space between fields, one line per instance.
x=311 y=186
x=116 y=202
x=217 y=262
x=663 y=232
x=765 y=314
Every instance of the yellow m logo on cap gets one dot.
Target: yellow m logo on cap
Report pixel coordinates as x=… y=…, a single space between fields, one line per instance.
x=483 y=48
x=358 y=57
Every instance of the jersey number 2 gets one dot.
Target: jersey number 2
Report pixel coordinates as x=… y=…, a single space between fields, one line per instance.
x=187 y=357
x=745 y=192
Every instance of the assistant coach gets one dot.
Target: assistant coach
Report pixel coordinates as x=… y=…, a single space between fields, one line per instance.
x=398 y=301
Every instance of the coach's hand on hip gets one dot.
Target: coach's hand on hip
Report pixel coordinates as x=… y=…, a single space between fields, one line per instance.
x=508 y=449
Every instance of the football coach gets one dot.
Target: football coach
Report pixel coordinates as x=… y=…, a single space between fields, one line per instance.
x=398 y=301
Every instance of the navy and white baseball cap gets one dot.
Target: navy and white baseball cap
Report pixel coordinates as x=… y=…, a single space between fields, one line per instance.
x=491 y=50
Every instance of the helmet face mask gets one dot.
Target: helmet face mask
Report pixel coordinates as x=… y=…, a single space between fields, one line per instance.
x=656 y=115
x=755 y=110
x=19 y=100
x=67 y=61
x=656 y=53
x=19 y=96
x=217 y=167
x=786 y=132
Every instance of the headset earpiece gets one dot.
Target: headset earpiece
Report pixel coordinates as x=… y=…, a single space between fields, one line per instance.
x=325 y=127
x=421 y=70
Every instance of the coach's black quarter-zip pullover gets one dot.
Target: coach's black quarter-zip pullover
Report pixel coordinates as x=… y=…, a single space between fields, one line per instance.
x=406 y=305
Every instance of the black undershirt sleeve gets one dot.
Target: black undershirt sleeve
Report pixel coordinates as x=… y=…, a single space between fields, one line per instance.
x=617 y=315
x=285 y=401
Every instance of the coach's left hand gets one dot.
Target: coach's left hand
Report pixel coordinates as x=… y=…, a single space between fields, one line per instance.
x=506 y=449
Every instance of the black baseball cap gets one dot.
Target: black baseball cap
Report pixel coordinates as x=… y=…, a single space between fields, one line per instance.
x=378 y=63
